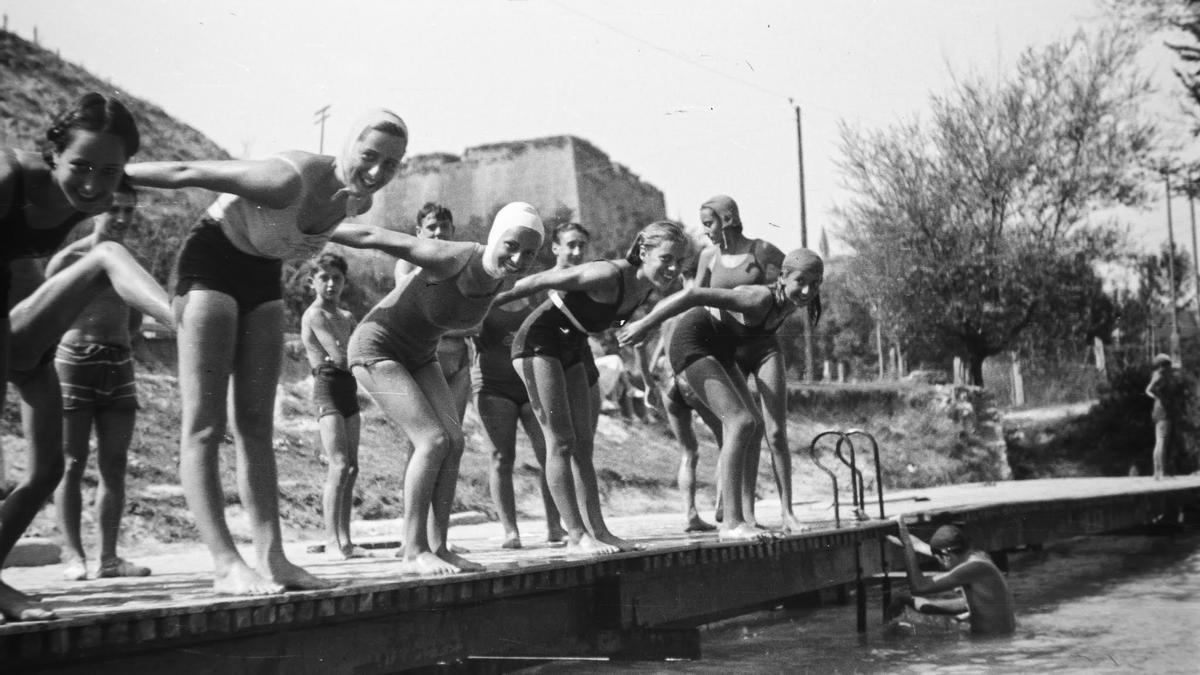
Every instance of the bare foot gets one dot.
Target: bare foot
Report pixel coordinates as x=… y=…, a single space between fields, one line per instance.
x=698 y=524
x=427 y=563
x=743 y=532
x=120 y=567
x=460 y=562
x=589 y=545
x=511 y=540
x=455 y=548
x=623 y=544
x=239 y=579
x=792 y=525
x=347 y=552
x=16 y=606
x=555 y=534
x=293 y=577
x=74 y=568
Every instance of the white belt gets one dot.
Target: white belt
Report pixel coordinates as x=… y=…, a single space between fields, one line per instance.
x=556 y=298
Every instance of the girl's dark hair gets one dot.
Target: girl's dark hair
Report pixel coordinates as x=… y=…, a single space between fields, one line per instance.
x=814 y=310
x=330 y=260
x=563 y=228
x=654 y=234
x=92 y=112
x=440 y=213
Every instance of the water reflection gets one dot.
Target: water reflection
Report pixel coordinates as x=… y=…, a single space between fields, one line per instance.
x=1093 y=604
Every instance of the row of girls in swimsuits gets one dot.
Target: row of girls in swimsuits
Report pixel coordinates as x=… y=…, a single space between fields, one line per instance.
x=227 y=311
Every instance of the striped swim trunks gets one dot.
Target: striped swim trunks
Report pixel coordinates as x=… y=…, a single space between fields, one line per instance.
x=95 y=376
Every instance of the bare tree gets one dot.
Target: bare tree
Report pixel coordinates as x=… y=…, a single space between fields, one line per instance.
x=972 y=227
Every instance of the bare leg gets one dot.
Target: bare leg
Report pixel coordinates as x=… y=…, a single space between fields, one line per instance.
x=499 y=417
x=460 y=389
x=39 y=320
x=333 y=438
x=77 y=431
x=552 y=405
x=679 y=417
x=421 y=404
x=114 y=433
x=772 y=390
x=255 y=377
x=725 y=394
x=554 y=529
x=353 y=431
x=41 y=412
x=1162 y=433
x=207 y=339
x=587 y=488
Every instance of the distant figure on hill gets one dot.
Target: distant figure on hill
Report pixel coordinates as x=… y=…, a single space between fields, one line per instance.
x=325 y=331
x=95 y=368
x=229 y=303
x=986 y=601
x=42 y=197
x=1167 y=389
x=434 y=221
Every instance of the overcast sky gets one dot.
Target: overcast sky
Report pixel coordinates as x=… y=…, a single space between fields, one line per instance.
x=691 y=95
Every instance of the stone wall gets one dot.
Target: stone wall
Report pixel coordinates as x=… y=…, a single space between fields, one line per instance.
x=557 y=174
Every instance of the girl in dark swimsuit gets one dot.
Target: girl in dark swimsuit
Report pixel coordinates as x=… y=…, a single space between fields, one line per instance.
x=703 y=348
x=736 y=260
x=550 y=352
x=41 y=199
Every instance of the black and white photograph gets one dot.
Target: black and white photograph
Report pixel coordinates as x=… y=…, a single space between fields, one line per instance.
x=567 y=336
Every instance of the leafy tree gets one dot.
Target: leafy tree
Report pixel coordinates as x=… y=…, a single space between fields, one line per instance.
x=973 y=228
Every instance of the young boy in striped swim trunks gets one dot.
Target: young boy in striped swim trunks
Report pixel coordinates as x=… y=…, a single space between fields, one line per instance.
x=95 y=369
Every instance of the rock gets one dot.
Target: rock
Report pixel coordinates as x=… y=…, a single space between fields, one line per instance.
x=34 y=552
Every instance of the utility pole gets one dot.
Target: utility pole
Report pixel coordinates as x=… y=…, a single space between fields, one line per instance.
x=1191 y=194
x=808 y=328
x=1175 y=351
x=321 y=115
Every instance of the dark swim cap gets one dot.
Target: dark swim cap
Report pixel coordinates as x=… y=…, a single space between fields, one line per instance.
x=949 y=538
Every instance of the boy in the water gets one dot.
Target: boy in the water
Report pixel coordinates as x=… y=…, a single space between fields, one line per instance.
x=985 y=597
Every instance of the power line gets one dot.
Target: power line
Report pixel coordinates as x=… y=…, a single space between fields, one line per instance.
x=686 y=59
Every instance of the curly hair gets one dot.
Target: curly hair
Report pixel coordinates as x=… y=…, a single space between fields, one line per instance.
x=92 y=112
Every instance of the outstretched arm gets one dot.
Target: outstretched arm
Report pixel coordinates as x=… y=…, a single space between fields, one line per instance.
x=747 y=299
x=272 y=182
x=69 y=254
x=441 y=258
x=586 y=277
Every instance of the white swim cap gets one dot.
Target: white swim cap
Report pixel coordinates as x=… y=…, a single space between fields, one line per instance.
x=515 y=214
x=371 y=119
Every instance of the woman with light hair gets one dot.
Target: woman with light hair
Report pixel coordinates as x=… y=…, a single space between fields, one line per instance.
x=551 y=354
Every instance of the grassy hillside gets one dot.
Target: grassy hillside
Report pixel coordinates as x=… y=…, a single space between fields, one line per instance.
x=35 y=84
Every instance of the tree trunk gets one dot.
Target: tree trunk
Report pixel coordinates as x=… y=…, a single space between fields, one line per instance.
x=977 y=369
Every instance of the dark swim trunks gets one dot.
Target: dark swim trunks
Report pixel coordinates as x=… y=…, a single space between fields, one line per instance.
x=697 y=335
x=335 y=391
x=209 y=261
